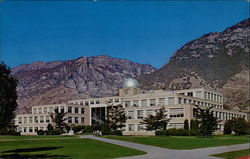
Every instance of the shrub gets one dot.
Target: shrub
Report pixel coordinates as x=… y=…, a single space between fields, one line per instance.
x=228 y=127
x=41 y=132
x=162 y=133
x=117 y=133
x=240 y=126
x=186 y=125
x=88 y=129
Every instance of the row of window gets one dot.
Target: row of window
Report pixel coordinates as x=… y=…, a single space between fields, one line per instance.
x=30 y=129
x=189 y=101
x=214 y=97
x=95 y=102
x=46 y=110
x=34 y=119
x=149 y=102
x=141 y=127
x=140 y=114
x=75 y=120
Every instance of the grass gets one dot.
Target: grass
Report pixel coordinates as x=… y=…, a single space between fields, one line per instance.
x=67 y=148
x=5 y=137
x=233 y=154
x=181 y=143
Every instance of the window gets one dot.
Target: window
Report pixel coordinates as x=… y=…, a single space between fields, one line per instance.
x=140 y=127
x=170 y=100
x=62 y=109
x=24 y=120
x=35 y=110
x=81 y=103
x=135 y=103
x=206 y=97
x=92 y=102
x=176 y=112
x=161 y=101
x=131 y=127
x=97 y=102
x=41 y=119
x=50 y=109
x=36 y=128
x=198 y=94
x=131 y=114
x=69 y=119
x=40 y=111
x=179 y=101
x=30 y=129
x=30 y=119
x=149 y=112
x=76 y=110
x=110 y=100
x=185 y=101
x=24 y=129
x=47 y=119
x=45 y=110
x=144 y=103
x=76 y=119
x=139 y=114
x=20 y=120
x=86 y=103
x=82 y=119
x=82 y=110
x=152 y=102
x=190 y=94
x=69 y=109
x=36 y=119
x=127 y=103
x=116 y=100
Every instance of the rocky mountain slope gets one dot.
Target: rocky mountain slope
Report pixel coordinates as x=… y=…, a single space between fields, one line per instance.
x=217 y=60
x=60 y=81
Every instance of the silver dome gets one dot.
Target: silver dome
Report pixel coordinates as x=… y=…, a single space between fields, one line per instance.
x=130 y=82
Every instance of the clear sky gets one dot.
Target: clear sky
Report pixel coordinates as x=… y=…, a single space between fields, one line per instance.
x=145 y=32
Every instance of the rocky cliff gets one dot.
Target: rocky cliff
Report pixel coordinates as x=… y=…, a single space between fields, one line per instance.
x=60 y=81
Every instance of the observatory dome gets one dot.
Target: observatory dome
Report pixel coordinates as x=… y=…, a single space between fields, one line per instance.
x=130 y=82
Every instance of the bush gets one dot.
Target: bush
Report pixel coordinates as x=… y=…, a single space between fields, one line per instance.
x=40 y=132
x=228 y=127
x=186 y=125
x=88 y=129
x=162 y=133
x=194 y=132
x=117 y=133
x=240 y=126
x=55 y=132
x=10 y=132
x=173 y=132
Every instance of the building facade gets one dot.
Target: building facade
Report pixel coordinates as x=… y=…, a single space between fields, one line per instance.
x=138 y=104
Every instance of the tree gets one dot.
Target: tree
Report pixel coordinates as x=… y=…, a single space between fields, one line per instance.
x=228 y=127
x=186 y=125
x=194 y=124
x=208 y=122
x=58 y=119
x=240 y=126
x=115 y=117
x=8 y=97
x=156 y=122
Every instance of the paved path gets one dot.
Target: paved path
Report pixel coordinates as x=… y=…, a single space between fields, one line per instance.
x=154 y=152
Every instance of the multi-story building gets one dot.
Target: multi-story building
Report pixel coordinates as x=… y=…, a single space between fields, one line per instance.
x=139 y=104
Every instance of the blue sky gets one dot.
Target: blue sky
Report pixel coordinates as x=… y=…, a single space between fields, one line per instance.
x=145 y=32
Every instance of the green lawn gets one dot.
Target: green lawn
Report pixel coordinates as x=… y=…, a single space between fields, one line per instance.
x=180 y=142
x=233 y=154
x=5 y=137
x=68 y=148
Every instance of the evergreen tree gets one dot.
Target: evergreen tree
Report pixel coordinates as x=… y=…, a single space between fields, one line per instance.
x=228 y=127
x=59 y=119
x=194 y=124
x=156 y=122
x=186 y=125
x=8 y=97
x=115 y=117
x=208 y=122
x=240 y=126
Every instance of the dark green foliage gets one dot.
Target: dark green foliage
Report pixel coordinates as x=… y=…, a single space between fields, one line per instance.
x=173 y=132
x=156 y=122
x=194 y=127
x=248 y=127
x=8 y=97
x=208 y=123
x=40 y=132
x=58 y=119
x=240 y=126
x=186 y=125
x=228 y=127
x=86 y=129
x=116 y=117
x=50 y=127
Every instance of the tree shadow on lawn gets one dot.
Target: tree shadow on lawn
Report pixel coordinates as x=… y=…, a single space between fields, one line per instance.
x=14 y=154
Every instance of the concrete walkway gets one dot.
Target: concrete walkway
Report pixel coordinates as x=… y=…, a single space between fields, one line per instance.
x=154 y=152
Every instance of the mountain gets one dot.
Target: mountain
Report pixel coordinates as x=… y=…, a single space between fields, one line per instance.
x=60 y=81
x=218 y=60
